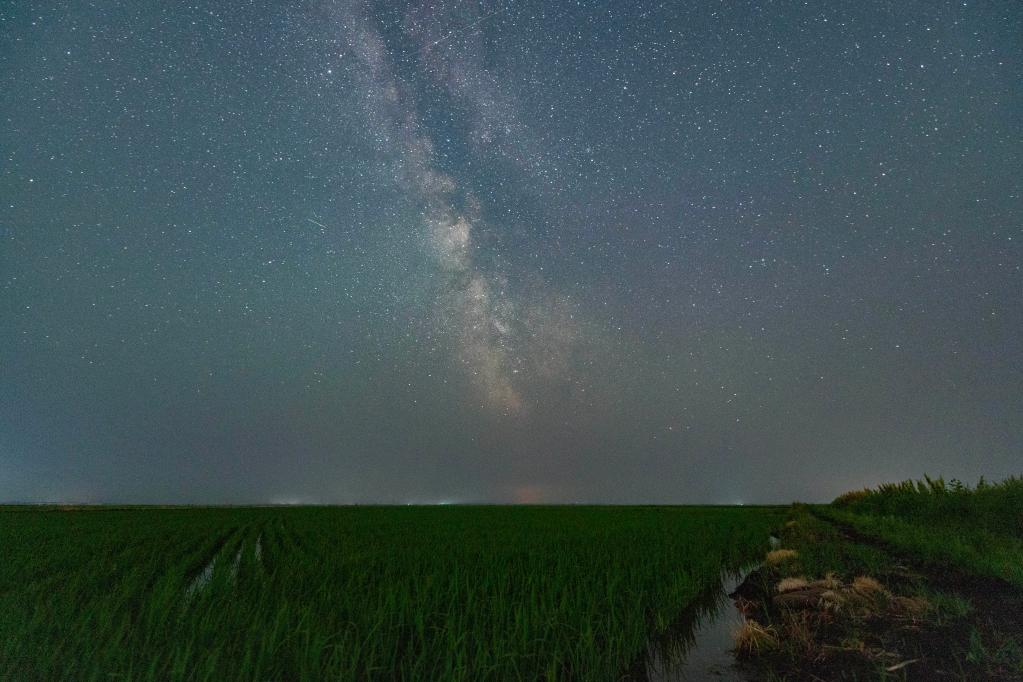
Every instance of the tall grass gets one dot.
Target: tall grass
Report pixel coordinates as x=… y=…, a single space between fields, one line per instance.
x=997 y=507
x=978 y=529
x=354 y=593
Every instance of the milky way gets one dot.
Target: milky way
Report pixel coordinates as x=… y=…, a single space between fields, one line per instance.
x=497 y=335
x=472 y=251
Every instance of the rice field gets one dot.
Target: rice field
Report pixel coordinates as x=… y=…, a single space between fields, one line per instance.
x=345 y=593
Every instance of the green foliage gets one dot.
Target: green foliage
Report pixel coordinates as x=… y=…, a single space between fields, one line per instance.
x=946 y=607
x=1010 y=655
x=1003 y=662
x=977 y=652
x=996 y=507
x=457 y=593
x=978 y=529
x=822 y=549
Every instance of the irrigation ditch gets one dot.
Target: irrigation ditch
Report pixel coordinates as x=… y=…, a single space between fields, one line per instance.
x=699 y=644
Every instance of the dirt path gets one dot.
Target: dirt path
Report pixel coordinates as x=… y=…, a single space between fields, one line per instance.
x=910 y=621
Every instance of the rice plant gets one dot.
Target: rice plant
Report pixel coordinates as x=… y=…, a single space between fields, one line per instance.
x=454 y=593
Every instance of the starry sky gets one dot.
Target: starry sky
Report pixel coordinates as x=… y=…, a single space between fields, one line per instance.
x=338 y=251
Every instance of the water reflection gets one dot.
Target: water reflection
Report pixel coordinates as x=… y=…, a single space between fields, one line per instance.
x=202 y=580
x=698 y=646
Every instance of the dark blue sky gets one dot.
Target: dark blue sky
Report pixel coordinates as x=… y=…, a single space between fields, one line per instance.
x=594 y=251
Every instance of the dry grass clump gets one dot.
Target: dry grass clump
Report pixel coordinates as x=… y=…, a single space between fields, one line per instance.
x=752 y=638
x=790 y=584
x=861 y=599
x=868 y=586
x=914 y=607
x=829 y=582
x=800 y=632
x=864 y=598
x=780 y=556
x=832 y=600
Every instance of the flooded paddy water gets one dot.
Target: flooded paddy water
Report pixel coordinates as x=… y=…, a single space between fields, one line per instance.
x=203 y=578
x=699 y=644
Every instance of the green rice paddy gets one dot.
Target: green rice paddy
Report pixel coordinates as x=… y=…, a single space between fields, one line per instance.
x=335 y=593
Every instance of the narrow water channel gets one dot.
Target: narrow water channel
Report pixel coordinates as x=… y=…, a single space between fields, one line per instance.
x=698 y=645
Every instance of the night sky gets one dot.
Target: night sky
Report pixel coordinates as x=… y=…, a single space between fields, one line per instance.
x=337 y=251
